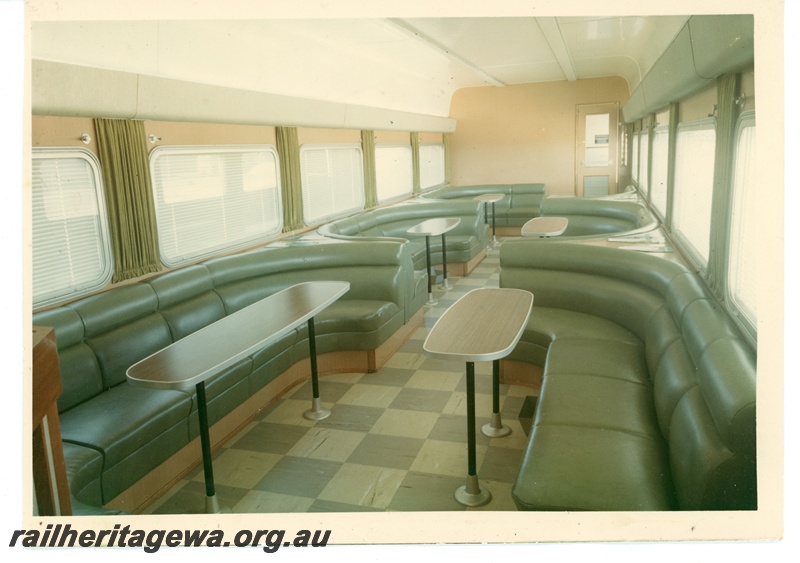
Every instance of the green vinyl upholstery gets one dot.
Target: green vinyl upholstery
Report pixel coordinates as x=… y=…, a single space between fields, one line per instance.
x=114 y=433
x=649 y=391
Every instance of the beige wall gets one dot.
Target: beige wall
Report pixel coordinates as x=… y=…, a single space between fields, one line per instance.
x=523 y=133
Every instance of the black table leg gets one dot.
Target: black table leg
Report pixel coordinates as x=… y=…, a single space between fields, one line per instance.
x=431 y=300
x=212 y=504
x=316 y=412
x=471 y=494
x=496 y=428
x=445 y=283
x=494 y=228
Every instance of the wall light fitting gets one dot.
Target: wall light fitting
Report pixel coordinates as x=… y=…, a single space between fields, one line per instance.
x=153 y=138
x=86 y=139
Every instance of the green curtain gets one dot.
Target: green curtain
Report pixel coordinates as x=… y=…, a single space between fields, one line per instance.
x=291 y=184
x=728 y=86
x=415 y=162
x=370 y=177
x=129 y=197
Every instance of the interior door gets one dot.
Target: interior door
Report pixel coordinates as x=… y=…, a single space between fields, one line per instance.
x=596 y=163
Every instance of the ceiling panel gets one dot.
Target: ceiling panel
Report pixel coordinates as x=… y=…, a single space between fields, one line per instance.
x=412 y=65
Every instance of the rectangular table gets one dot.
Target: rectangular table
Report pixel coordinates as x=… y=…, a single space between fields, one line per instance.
x=192 y=360
x=432 y=228
x=484 y=325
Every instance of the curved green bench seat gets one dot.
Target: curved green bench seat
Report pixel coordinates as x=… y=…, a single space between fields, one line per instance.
x=599 y=217
x=115 y=434
x=466 y=244
x=648 y=398
x=521 y=204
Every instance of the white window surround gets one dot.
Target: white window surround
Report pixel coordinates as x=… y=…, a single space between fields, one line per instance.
x=70 y=246
x=214 y=198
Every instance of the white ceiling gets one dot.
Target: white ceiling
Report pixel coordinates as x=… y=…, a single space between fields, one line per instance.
x=412 y=65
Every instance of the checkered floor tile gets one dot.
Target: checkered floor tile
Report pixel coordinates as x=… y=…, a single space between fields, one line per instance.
x=395 y=440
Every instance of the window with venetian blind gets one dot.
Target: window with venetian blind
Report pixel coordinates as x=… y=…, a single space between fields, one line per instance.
x=743 y=249
x=394 y=171
x=659 y=169
x=213 y=199
x=71 y=249
x=694 y=187
x=333 y=181
x=431 y=165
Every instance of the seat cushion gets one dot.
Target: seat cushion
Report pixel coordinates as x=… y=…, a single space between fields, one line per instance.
x=124 y=419
x=570 y=468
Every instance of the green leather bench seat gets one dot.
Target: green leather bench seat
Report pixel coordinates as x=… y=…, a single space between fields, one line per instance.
x=648 y=392
x=599 y=217
x=464 y=243
x=521 y=204
x=116 y=433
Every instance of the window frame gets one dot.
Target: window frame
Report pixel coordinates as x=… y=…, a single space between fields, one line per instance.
x=66 y=293
x=214 y=150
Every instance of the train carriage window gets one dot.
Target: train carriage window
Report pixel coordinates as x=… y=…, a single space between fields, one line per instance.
x=644 y=148
x=71 y=249
x=213 y=199
x=431 y=165
x=742 y=259
x=393 y=167
x=659 y=165
x=694 y=187
x=635 y=157
x=333 y=181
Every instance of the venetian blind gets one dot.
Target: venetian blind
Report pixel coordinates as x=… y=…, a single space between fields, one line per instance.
x=71 y=252
x=210 y=200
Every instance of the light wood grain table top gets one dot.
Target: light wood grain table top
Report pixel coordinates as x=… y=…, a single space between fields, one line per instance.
x=544 y=227
x=208 y=351
x=483 y=325
x=434 y=227
x=489 y=198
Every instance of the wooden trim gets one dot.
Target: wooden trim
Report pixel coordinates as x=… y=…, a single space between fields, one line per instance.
x=514 y=372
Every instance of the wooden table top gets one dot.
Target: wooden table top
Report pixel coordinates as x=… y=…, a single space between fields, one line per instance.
x=208 y=351
x=544 y=227
x=490 y=198
x=434 y=227
x=483 y=325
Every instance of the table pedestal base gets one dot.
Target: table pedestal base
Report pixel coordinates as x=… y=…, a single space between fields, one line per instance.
x=471 y=494
x=495 y=428
x=316 y=412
